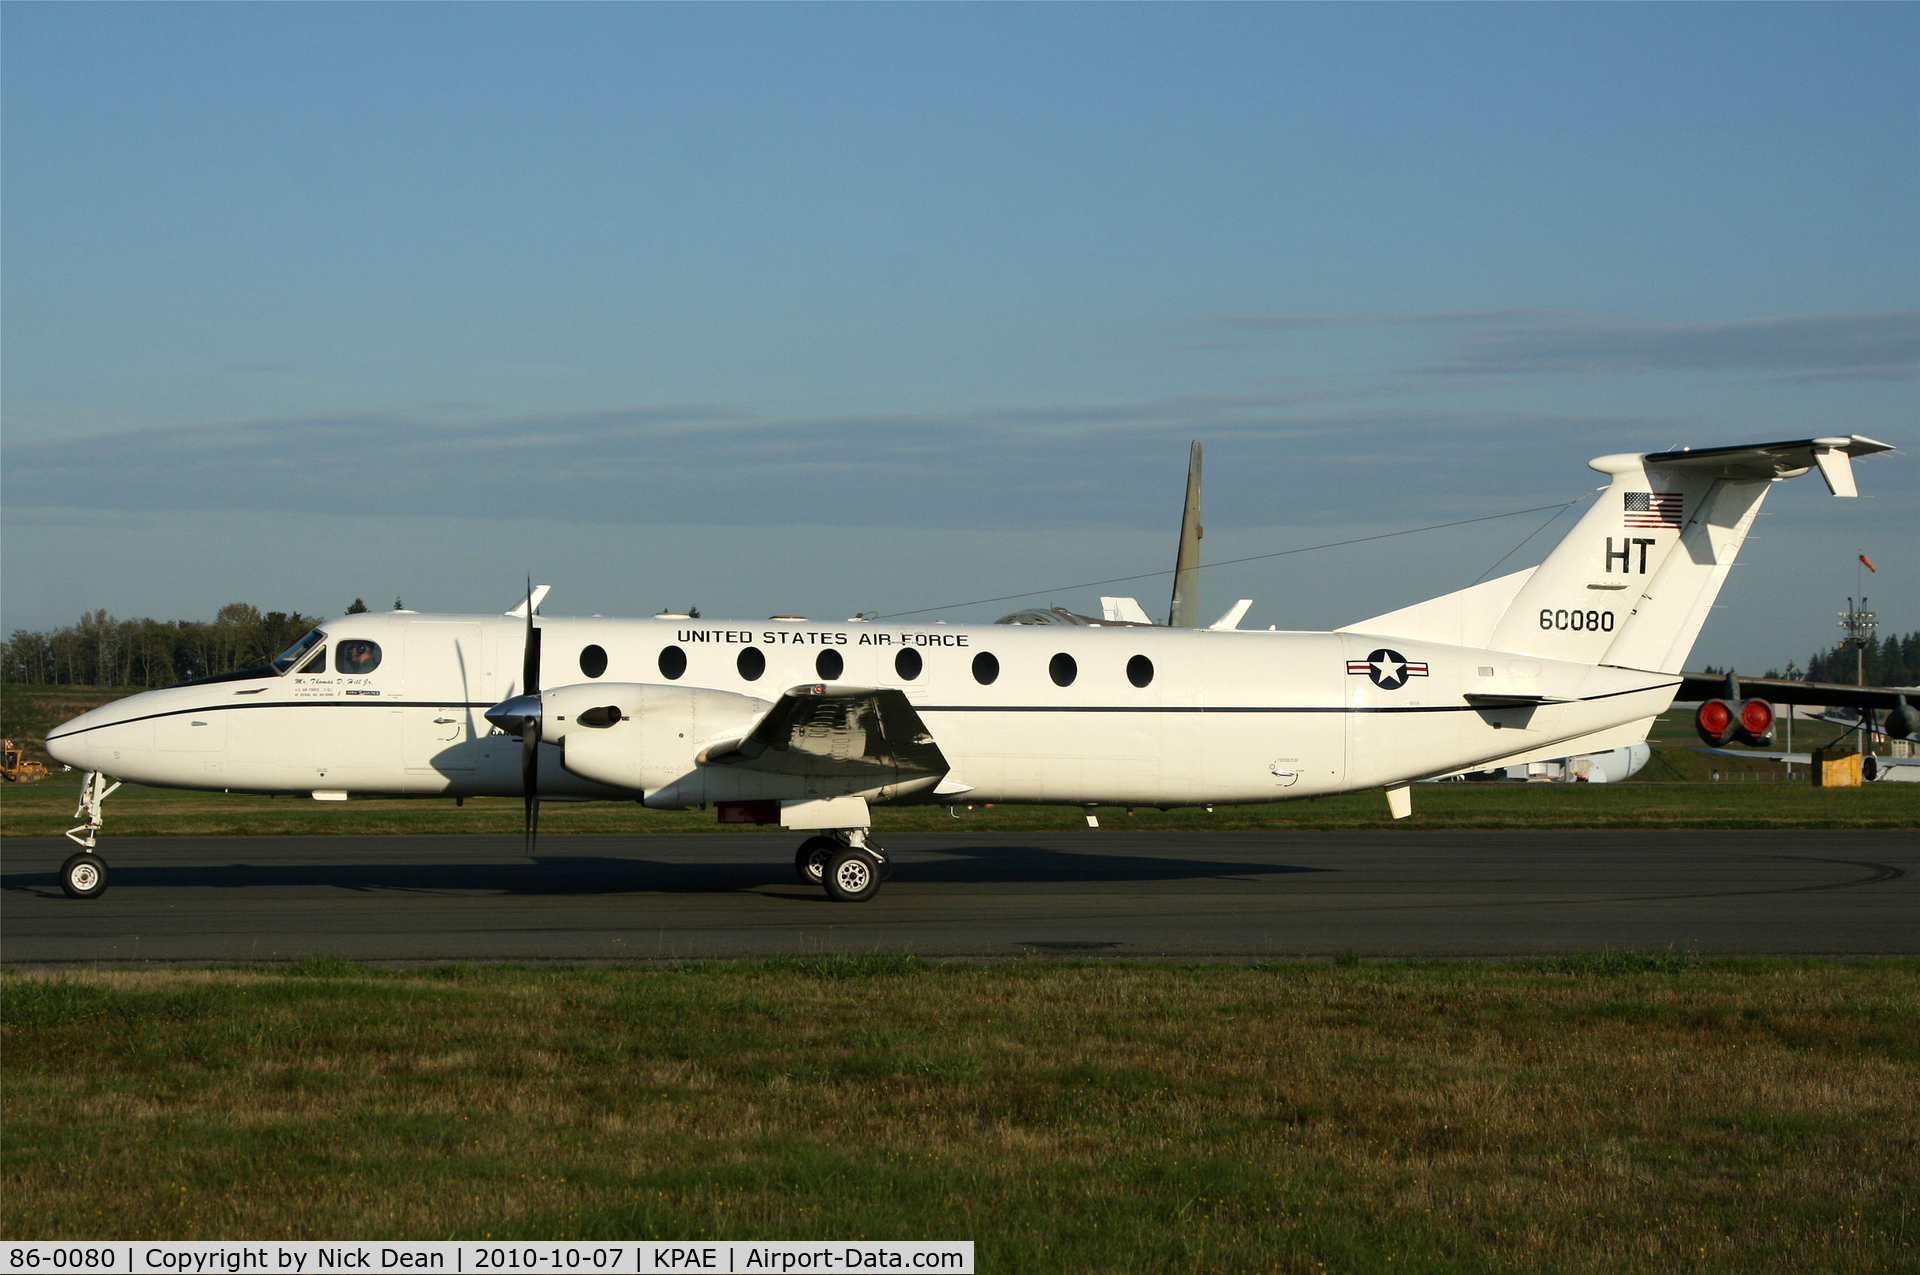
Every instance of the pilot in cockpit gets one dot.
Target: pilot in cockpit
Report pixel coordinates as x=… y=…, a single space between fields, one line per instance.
x=356 y=656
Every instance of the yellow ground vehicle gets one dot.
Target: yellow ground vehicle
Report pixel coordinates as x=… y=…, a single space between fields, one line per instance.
x=18 y=769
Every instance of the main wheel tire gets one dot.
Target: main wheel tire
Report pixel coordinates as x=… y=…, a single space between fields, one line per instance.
x=852 y=876
x=84 y=876
x=810 y=861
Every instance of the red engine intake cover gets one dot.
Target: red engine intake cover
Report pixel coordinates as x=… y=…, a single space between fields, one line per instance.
x=1715 y=722
x=1756 y=722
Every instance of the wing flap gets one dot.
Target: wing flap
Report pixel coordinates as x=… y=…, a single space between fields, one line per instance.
x=837 y=732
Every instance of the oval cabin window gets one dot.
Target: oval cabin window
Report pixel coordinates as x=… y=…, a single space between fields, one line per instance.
x=673 y=662
x=752 y=663
x=829 y=665
x=1140 y=670
x=355 y=656
x=986 y=668
x=1062 y=669
x=593 y=660
x=907 y=664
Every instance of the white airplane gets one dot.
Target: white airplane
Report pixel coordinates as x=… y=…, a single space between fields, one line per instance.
x=810 y=725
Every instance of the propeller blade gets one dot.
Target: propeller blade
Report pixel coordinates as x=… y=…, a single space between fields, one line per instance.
x=530 y=778
x=530 y=667
x=530 y=730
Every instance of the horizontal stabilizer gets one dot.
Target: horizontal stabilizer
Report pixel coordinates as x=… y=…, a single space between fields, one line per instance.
x=1833 y=457
x=1485 y=700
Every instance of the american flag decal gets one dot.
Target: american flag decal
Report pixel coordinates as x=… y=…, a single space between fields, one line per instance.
x=1654 y=509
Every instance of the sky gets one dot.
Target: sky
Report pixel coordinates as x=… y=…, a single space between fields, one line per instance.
x=821 y=309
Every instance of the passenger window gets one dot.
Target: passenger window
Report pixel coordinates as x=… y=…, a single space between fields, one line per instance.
x=1063 y=669
x=986 y=668
x=1140 y=670
x=673 y=662
x=356 y=656
x=752 y=663
x=593 y=661
x=318 y=664
x=907 y=664
x=829 y=665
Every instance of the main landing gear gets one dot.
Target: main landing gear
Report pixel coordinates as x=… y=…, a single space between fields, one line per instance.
x=84 y=875
x=844 y=863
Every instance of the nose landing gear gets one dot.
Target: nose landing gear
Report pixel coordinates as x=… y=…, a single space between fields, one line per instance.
x=84 y=875
x=845 y=863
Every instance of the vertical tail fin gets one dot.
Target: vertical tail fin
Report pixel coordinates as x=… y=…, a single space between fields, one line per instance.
x=1634 y=580
x=1185 y=610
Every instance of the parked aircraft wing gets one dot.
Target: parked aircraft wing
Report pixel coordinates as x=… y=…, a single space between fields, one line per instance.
x=1798 y=759
x=828 y=730
x=1705 y=686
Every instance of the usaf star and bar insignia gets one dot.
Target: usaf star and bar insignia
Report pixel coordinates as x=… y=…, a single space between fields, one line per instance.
x=1388 y=669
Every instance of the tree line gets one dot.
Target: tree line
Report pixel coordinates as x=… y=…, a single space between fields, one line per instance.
x=1889 y=661
x=103 y=651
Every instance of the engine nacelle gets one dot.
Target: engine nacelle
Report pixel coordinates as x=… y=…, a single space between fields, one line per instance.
x=1715 y=722
x=1754 y=723
x=1720 y=722
x=637 y=735
x=1903 y=722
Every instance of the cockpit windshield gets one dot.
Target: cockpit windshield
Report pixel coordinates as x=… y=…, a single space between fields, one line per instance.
x=291 y=656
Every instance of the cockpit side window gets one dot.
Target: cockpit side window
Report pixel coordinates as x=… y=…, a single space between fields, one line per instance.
x=317 y=664
x=356 y=656
x=291 y=656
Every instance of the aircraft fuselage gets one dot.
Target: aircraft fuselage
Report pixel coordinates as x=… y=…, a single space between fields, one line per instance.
x=1149 y=716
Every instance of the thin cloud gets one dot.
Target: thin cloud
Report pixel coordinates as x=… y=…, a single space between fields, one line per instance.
x=1041 y=467
x=1910 y=372
x=1409 y=318
x=1881 y=345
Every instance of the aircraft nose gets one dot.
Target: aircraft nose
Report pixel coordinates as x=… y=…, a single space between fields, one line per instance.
x=65 y=749
x=512 y=715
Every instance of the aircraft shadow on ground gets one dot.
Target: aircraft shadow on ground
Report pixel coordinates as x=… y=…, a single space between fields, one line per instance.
x=600 y=874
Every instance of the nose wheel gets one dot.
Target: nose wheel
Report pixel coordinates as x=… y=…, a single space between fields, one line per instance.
x=84 y=876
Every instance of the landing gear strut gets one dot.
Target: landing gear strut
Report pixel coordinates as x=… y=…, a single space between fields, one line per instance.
x=845 y=863
x=84 y=875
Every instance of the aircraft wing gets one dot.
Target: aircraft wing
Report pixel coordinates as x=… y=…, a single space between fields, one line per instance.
x=1702 y=686
x=1798 y=759
x=836 y=731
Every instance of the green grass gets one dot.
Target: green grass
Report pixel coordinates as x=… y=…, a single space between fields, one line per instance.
x=1620 y=1112
x=46 y=809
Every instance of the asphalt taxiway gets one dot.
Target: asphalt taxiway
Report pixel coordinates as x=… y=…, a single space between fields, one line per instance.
x=1112 y=893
